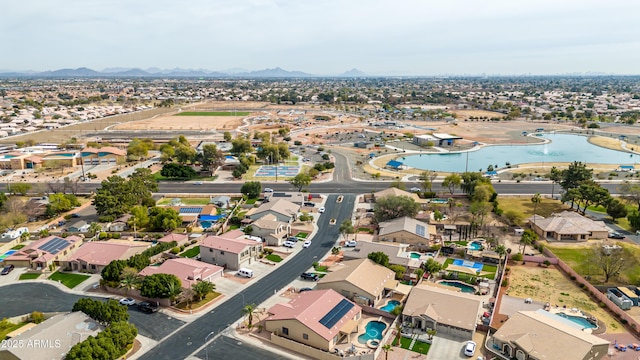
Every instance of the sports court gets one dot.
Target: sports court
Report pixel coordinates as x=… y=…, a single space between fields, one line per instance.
x=282 y=170
x=467 y=263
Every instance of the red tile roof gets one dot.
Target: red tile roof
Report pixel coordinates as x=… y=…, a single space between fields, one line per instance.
x=235 y=246
x=189 y=271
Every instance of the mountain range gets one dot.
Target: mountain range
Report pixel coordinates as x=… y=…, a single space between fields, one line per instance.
x=176 y=72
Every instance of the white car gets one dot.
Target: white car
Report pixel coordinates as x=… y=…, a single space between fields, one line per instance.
x=268 y=190
x=127 y=301
x=470 y=348
x=415 y=189
x=321 y=210
x=289 y=244
x=350 y=243
x=306 y=244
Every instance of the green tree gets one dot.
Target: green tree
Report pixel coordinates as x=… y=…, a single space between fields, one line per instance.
x=227 y=136
x=203 y=288
x=589 y=193
x=103 y=312
x=536 y=199
x=392 y=207
x=470 y=180
x=139 y=148
x=95 y=228
x=301 y=180
x=139 y=217
x=399 y=270
x=610 y=264
x=451 y=182
x=59 y=203
x=630 y=192
x=129 y=279
x=113 y=270
x=386 y=348
x=432 y=266
x=528 y=237
x=240 y=146
x=251 y=189
x=212 y=158
x=160 y=286
x=174 y=170
x=185 y=154
x=249 y=310
x=346 y=227
x=616 y=209
x=379 y=257
x=165 y=219
x=426 y=180
x=501 y=250
x=20 y=188
x=574 y=175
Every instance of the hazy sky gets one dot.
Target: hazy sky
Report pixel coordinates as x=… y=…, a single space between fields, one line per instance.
x=414 y=37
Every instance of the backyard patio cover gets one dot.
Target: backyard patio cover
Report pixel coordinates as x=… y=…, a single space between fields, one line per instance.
x=461 y=269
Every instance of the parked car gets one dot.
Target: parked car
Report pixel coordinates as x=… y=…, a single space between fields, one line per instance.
x=470 y=348
x=615 y=235
x=306 y=244
x=305 y=289
x=310 y=276
x=321 y=210
x=127 y=301
x=74 y=215
x=148 y=307
x=292 y=239
x=350 y=243
x=415 y=189
x=61 y=222
x=289 y=244
x=7 y=269
x=309 y=204
x=268 y=190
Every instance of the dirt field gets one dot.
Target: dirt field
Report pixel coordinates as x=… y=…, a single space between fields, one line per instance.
x=184 y=123
x=465 y=114
x=550 y=285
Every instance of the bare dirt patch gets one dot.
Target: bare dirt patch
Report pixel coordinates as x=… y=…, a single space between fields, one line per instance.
x=550 y=285
x=184 y=123
x=606 y=142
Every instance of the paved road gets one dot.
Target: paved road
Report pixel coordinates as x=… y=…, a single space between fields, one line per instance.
x=24 y=298
x=188 y=339
x=229 y=348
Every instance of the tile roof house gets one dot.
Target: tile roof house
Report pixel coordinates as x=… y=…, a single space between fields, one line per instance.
x=94 y=256
x=190 y=213
x=268 y=227
x=447 y=311
x=568 y=226
x=229 y=252
x=189 y=271
x=404 y=230
x=283 y=210
x=41 y=253
x=52 y=338
x=181 y=239
x=362 y=281
x=319 y=318
x=542 y=335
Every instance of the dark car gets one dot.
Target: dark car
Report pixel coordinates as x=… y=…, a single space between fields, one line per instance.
x=310 y=276
x=148 y=307
x=7 y=269
x=74 y=215
x=616 y=235
x=61 y=222
x=305 y=289
x=309 y=204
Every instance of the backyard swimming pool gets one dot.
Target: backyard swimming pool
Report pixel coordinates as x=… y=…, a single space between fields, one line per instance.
x=467 y=263
x=415 y=255
x=373 y=330
x=7 y=254
x=462 y=286
x=579 y=320
x=392 y=304
x=475 y=245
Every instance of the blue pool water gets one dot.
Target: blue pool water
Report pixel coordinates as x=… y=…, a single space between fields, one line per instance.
x=464 y=287
x=582 y=322
x=392 y=304
x=475 y=245
x=562 y=148
x=373 y=330
x=415 y=255
x=5 y=255
x=469 y=264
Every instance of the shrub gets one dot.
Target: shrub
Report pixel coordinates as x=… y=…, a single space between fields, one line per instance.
x=573 y=278
x=517 y=257
x=268 y=251
x=194 y=241
x=505 y=283
x=37 y=317
x=602 y=305
x=547 y=262
x=175 y=250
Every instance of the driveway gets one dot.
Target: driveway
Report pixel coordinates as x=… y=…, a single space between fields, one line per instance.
x=449 y=348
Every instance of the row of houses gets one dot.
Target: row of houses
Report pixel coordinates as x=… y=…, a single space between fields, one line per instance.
x=17 y=160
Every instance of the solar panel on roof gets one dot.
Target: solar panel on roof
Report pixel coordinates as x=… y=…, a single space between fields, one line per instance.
x=191 y=210
x=336 y=313
x=420 y=230
x=54 y=245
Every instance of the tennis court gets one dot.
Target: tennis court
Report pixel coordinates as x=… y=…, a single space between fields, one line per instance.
x=280 y=170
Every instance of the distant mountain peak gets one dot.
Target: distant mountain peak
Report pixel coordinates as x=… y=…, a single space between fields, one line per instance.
x=353 y=73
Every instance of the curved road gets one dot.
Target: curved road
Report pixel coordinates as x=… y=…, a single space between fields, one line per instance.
x=191 y=337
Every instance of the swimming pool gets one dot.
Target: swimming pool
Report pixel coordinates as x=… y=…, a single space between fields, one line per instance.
x=467 y=263
x=475 y=245
x=462 y=286
x=7 y=254
x=392 y=304
x=373 y=331
x=579 y=320
x=415 y=255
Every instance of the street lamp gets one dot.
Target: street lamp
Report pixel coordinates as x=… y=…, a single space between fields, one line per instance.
x=206 y=350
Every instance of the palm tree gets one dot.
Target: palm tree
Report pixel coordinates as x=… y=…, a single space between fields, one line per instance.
x=536 y=199
x=528 y=237
x=203 y=288
x=431 y=333
x=129 y=279
x=501 y=250
x=386 y=348
x=249 y=310
x=173 y=290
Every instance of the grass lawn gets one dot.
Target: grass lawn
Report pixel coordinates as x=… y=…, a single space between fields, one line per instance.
x=365 y=230
x=213 y=113
x=191 y=253
x=461 y=243
x=273 y=257
x=321 y=268
x=489 y=268
x=234 y=227
x=302 y=235
x=185 y=201
x=68 y=280
x=158 y=177
x=4 y=330
x=18 y=247
x=524 y=206
x=251 y=201
x=419 y=347
x=29 y=276
x=197 y=304
x=579 y=258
